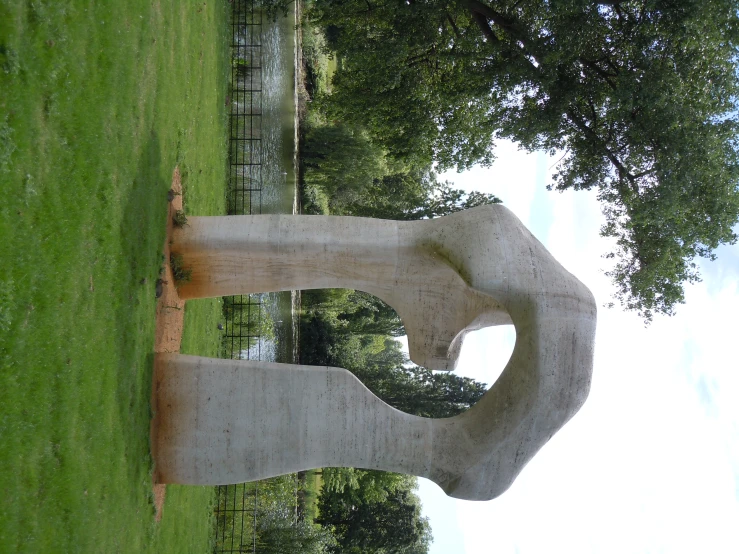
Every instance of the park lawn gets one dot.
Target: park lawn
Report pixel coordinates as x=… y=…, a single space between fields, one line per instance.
x=312 y=484
x=99 y=102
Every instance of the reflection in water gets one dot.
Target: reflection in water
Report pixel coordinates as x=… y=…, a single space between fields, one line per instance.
x=278 y=173
x=279 y=190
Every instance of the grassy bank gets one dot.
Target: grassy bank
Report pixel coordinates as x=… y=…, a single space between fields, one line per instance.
x=99 y=103
x=311 y=486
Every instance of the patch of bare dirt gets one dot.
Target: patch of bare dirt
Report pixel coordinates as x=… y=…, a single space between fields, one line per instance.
x=170 y=308
x=170 y=316
x=160 y=491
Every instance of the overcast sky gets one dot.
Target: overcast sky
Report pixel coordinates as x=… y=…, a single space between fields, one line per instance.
x=650 y=464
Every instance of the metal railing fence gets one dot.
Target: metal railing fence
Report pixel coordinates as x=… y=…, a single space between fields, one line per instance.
x=237 y=506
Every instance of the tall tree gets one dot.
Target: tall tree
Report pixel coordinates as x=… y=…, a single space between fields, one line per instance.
x=419 y=391
x=369 y=315
x=363 y=523
x=354 y=330
x=640 y=95
x=342 y=161
x=413 y=195
x=342 y=327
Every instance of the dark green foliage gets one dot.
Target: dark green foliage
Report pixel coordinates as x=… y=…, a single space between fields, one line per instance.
x=342 y=161
x=405 y=196
x=279 y=534
x=276 y=8
x=349 y=329
x=420 y=391
x=179 y=218
x=345 y=173
x=641 y=97
x=345 y=328
x=271 y=523
x=381 y=515
x=180 y=272
x=347 y=169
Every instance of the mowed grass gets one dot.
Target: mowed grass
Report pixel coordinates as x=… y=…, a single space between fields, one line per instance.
x=99 y=101
x=312 y=485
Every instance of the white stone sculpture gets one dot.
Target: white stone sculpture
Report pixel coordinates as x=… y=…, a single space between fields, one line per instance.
x=225 y=421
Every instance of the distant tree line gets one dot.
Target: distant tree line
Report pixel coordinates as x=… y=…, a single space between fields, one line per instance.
x=372 y=511
x=355 y=330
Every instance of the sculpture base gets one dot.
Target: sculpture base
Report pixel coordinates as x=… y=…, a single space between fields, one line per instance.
x=169 y=322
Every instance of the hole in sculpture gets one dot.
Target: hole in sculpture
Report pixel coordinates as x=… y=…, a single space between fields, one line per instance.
x=483 y=357
x=486 y=352
x=359 y=332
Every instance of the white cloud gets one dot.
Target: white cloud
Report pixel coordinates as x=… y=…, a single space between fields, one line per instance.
x=486 y=352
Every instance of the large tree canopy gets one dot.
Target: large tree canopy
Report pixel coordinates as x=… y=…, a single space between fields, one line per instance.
x=414 y=195
x=640 y=96
x=379 y=513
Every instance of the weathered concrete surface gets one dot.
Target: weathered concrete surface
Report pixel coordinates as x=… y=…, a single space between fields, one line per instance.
x=225 y=421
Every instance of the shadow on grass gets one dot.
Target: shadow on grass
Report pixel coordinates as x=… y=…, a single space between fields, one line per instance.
x=142 y=235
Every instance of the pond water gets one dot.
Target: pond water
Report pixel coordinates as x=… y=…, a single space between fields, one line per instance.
x=278 y=174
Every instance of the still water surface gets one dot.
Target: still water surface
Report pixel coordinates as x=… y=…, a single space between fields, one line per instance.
x=279 y=176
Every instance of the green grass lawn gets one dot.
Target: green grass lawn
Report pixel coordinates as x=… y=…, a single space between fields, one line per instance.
x=99 y=101
x=312 y=488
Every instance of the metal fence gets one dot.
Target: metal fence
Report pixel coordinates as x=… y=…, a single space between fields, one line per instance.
x=249 y=516
x=241 y=337
x=237 y=506
x=236 y=518
x=245 y=135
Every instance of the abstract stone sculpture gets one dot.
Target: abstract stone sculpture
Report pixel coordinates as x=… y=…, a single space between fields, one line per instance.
x=225 y=421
